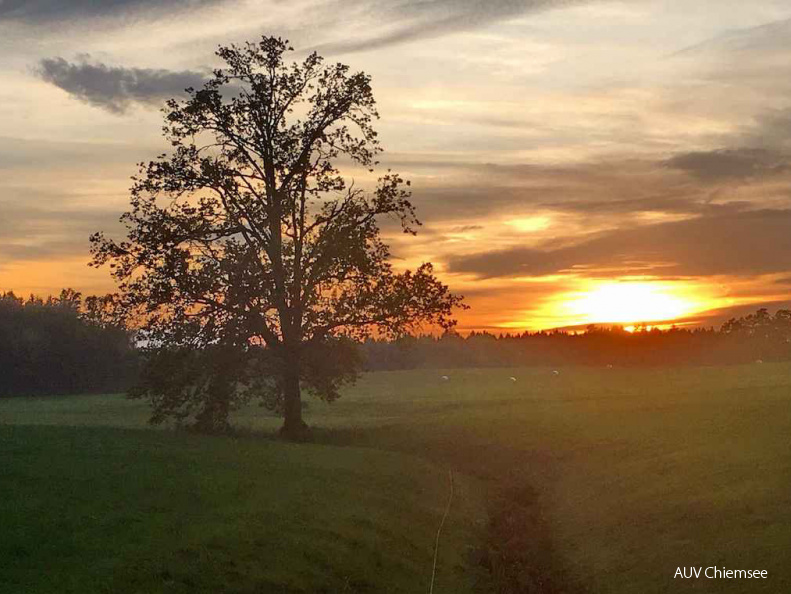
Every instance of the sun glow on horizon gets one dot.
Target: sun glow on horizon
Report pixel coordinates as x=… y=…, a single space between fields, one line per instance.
x=632 y=302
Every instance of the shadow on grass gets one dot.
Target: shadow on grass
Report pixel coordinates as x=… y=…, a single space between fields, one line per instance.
x=517 y=551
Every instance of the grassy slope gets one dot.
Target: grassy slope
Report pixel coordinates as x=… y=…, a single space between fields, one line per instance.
x=110 y=510
x=637 y=472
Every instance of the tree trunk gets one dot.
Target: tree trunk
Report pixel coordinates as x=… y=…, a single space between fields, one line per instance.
x=294 y=428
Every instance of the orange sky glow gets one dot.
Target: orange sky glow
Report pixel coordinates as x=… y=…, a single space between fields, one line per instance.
x=573 y=163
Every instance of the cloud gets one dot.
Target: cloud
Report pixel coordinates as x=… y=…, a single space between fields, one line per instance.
x=607 y=188
x=418 y=19
x=729 y=164
x=771 y=128
x=36 y=233
x=115 y=88
x=738 y=243
x=749 y=66
x=745 y=72
x=769 y=36
x=691 y=205
x=19 y=157
x=47 y=11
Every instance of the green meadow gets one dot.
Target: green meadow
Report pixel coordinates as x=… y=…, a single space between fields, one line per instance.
x=588 y=480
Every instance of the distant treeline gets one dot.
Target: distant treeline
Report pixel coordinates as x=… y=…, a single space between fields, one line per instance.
x=62 y=345
x=758 y=337
x=70 y=344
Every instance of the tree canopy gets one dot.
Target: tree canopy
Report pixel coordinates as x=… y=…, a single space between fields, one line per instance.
x=246 y=244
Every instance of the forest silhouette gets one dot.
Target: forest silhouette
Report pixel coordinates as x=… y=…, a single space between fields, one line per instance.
x=69 y=344
x=62 y=345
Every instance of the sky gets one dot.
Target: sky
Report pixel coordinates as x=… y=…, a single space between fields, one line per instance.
x=573 y=162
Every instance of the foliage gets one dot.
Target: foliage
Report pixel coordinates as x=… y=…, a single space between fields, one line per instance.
x=61 y=345
x=246 y=235
x=204 y=386
x=184 y=383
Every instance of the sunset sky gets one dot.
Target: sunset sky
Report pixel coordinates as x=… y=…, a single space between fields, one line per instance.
x=572 y=161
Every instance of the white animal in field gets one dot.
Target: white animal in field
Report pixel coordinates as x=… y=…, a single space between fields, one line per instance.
x=445 y=378
x=513 y=379
x=609 y=366
x=555 y=372
x=759 y=360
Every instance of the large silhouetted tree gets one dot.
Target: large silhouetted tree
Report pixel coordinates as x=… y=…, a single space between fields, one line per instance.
x=249 y=260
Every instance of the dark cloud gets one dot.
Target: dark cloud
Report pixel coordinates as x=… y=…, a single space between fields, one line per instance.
x=714 y=183
x=602 y=189
x=46 y=11
x=742 y=77
x=419 y=19
x=730 y=164
x=744 y=243
x=115 y=88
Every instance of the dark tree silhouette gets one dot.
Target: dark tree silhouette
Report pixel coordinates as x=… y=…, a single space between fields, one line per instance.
x=54 y=345
x=246 y=245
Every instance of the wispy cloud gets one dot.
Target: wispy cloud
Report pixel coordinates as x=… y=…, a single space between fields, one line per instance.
x=47 y=11
x=410 y=20
x=42 y=232
x=740 y=243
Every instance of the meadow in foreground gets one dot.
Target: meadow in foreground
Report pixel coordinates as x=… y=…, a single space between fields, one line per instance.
x=114 y=510
x=617 y=476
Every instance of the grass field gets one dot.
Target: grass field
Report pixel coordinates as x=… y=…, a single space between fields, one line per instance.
x=107 y=510
x=613 y=478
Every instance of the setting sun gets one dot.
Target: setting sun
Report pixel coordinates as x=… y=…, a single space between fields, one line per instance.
x=632 y=302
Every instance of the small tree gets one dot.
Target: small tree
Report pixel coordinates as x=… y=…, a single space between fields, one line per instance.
x=249 y=261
